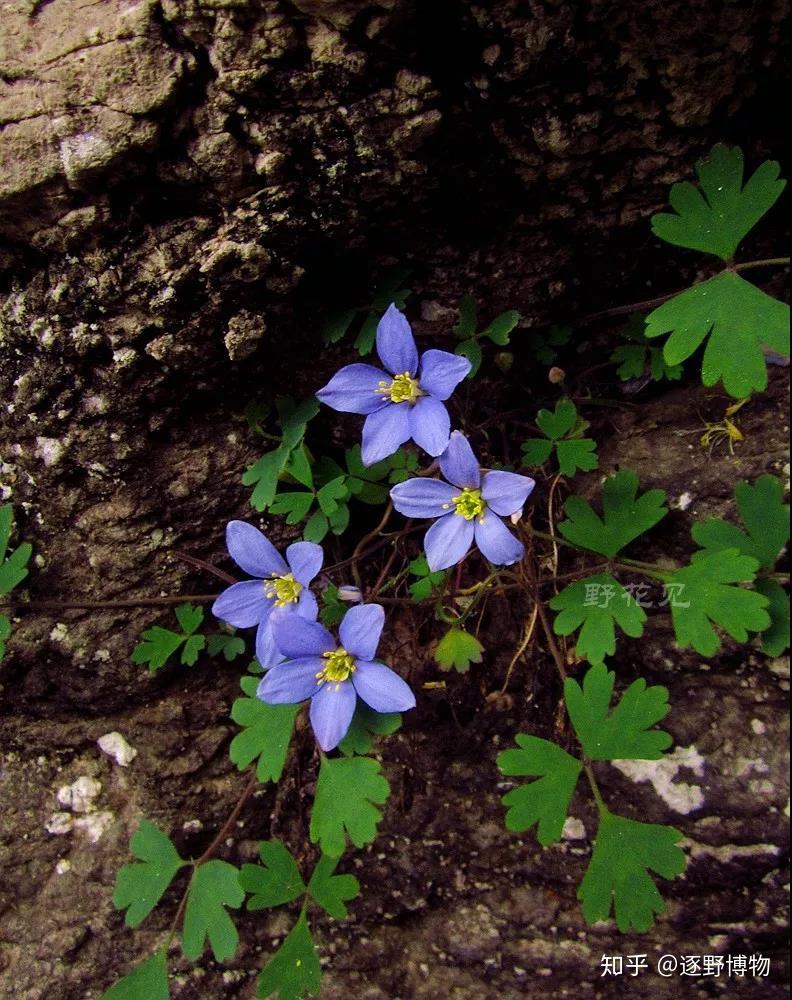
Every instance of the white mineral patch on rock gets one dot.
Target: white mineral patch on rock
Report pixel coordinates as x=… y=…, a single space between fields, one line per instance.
x=59 y=824
x=49 y=450
x=80 y=795
x=94 y=825
x=679 y=795
x=574 y=829
x=115 y=746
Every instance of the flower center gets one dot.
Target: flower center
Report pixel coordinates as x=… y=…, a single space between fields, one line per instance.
x=469 y=503
x=403 y=389
x=283 y=590
x=340 y=665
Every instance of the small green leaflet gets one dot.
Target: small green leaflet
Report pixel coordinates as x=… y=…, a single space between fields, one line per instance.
x=14 y=568
x=230 y=646
x=213 y=887
x=766 y=520
x=333 y=608
x=263 y=475
x=426 y=582
x=715 y=218
x=365 y=724
x=294 y=971
x=544 y=344
x=545 y=801
x=564 y=431
x=266 y=734
x=776 y=638
x=139 y=887
x=147 y=981
x=703 y=594
x=598 y=603
x=330 y=891
x=739 y=319
x=337 y=324
x=498 y=331
x=348 y=792
x=625 y=515
x=625 y=732
x=275 y=881
x=159 y=644
x=636 y=357
x=5 y=632
x=618 y=874
x=458 y=649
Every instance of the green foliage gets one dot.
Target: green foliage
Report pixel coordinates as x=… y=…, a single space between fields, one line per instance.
x=766 y=519
x=5 y=632
x=264 y=474
x=213 y=887
x=348 y=792
x=159 y=644
x=544 y=344
x=330 y=891
x=703 y=595
x=598 y=603
x=266 y=733
x=618 y=874
x=775 y=639
x=225 y=644
x=715 y=217
x=625 y=732
x=140 y=886
x=739 y=319
x=147 y=981
x=426 y=582
x=563 y=430
x=275 y=881
x=458 y=649
x=365 y=724
x=294 y=970
x=545 y=801
x=388 y=290
x=498 y=331
x=625 y=515
x=13 y=569
x=333 y=608
x=638 y=356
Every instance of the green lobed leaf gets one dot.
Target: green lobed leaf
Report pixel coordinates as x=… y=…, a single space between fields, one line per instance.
x=266 y=733
x=213 y=887
x=365 y=724
x=331 y=891
x=295 y=505
x=427 y=581
x=545 y=801
x=560 y=422
x=140 y=886
x=147 y=981
x=501 y=327
x=294 y=971
x=618 y=875
x=158 y=645
x=299 y=467
x=574 y=455
x=598 y=603
x=631 y=360
x=775 y=639
x=766 y=519
x=626 y=516
x=5 y=632
x=336 y=326
x=263 y=476
x=715 y=217
x=704 y=594
x=467 y=323
x=458 y=649
x=348 y=792
x=470 y=349
x=192 y=648
x=275 y=881
x=536 y=451
x=13 y=569
x=739 y=320
x=333 y=608
x=316 y=527
x=229 y=646
x=625 y=732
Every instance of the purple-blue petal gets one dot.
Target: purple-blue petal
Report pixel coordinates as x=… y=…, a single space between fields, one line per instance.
x=505 y=492
x=267 y=652
x=360 y=630
x=252 y=552
x=496 y=542
x=305 y=560
x=291 y=681
x=242 y=604
x=306 y=607
x=430 y=425
x=381 y=688
x=441 y=372
x=447 y=542
x=458 y=463
x=296 y=636
x=354 y=389
x=418 y=497
x=395 y=343
x=332 y=708
x=384 y=432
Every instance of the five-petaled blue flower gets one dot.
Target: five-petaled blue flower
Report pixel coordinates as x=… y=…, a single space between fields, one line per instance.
x=280 y=584
x=406 y=403
x=470 y=509
x=334 y=676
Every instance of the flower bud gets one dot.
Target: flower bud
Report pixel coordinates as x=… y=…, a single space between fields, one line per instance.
x=350 y=594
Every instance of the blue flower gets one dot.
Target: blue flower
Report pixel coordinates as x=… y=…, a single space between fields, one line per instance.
x=280 y=584
x=469 y=510
x=334 y=676
x=404 y=404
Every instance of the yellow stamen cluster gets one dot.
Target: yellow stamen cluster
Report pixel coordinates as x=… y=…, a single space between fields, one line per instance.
x=339 y=667
x=403 y=389
x=469 y=504
x=283 y=590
